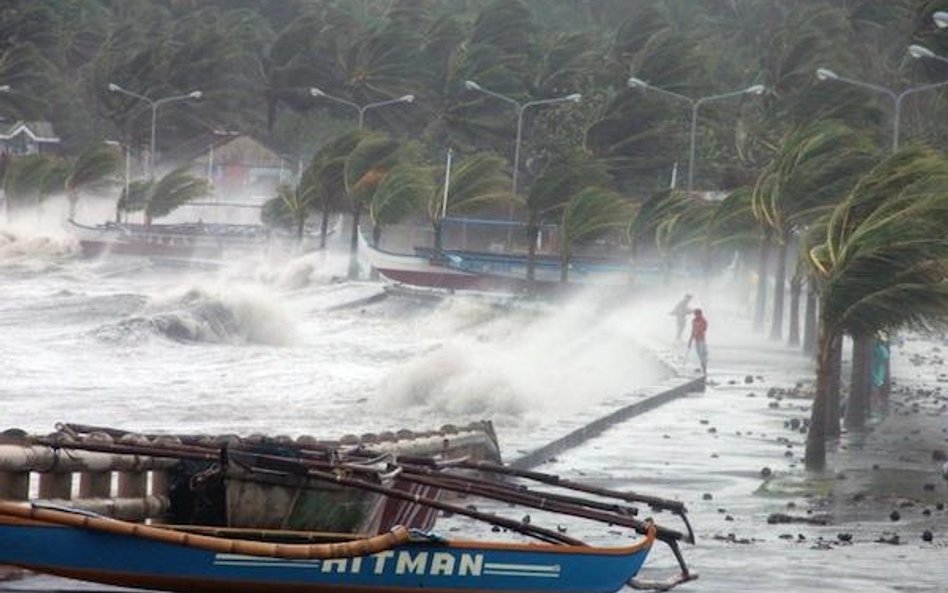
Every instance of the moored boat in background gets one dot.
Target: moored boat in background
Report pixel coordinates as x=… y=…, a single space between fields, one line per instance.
x=186 y=240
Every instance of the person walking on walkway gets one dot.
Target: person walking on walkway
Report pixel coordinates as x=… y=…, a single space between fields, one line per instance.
x=681 y=312
x=699 y=327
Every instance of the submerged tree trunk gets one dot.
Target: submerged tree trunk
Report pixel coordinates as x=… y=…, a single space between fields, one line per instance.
x=795 y=288
x=763 y=256
x=809 y=319
x=354 y=244
x=857 y=408
x=815 y=456
x=780 y=283
x=833 y=395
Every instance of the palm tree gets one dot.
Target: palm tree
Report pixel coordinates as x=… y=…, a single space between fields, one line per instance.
x=562 y=179
x=477 y=181
x=589 y=214
x=401 y=193
x=882 y=265
x=91 y=170
x=363 y=170
x=160 y=197
x=293 y=203
x=328 y=170
x=31 y=179
x=815 y=166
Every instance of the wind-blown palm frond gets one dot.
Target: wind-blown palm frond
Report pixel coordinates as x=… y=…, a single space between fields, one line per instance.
x=589 y=214
x=32 y=178
x=174 y=189
x=366 y=166
x=476 y=181
x=403 y=192
x=135 y=199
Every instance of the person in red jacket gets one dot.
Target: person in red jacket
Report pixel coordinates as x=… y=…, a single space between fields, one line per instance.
x=699 y=327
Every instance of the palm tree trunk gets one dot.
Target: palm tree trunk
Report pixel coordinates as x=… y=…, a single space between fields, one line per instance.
x=809 y=319
x=533 y=231
x=300 y=223
x=323 y=228
x=833 y=395
x=438 y=236
x=780 y=284
x=762 y=260
x=857 y=409
x=376 y=234
x=815 y=456
x=795 y=288
x=354 y=244
x=564 y=267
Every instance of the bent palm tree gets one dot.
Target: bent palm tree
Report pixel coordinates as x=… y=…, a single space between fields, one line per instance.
x=477 y=181
x=589 y=214
x=882 y=265
x=91 y=170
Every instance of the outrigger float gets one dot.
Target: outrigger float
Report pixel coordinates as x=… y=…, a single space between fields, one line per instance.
x=59 y=539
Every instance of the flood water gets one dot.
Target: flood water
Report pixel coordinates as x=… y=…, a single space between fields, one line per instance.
x=286 y=346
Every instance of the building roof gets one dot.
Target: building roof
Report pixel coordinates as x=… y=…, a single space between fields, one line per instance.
x=39 y=131
x=197 y=148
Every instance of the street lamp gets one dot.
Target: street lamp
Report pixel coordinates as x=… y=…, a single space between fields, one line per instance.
x=521 y=107
x=4 y=88
x=920 y=51
x=941 y=19
x=827 y=74
x=154 y=104
x=360 y=108
x=756 y=89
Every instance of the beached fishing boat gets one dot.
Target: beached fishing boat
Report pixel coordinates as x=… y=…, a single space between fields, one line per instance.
x=457 y=269
x=184 y=240
x=64 y=541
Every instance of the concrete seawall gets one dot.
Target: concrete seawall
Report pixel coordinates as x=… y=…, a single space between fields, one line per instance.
x=599 y=425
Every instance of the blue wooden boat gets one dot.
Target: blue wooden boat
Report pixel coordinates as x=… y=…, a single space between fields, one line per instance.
x=91 y=547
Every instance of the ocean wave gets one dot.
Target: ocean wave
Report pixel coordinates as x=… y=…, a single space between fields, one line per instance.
x=206 y=316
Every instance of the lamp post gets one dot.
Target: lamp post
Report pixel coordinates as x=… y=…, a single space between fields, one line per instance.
x=941 y=19
x=360 y=108
x=696 y=103
x=154 y=104
x=827 y=74
x=920 y=51
x=4 y=88
x=521 y=107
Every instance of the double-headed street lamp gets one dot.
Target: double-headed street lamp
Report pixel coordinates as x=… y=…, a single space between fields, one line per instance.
x=520 y=107
x=154 y=104
x=696 y=103
x=826 y=74
x=360 y=108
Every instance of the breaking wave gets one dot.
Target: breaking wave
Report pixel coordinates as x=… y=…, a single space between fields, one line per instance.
x=520 y=367
x=210 y=316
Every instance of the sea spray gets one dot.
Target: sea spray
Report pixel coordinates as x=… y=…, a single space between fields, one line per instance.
x=520 y=367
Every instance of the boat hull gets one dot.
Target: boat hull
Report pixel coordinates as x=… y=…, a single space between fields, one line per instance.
x=177 y=241
x=434 y=566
